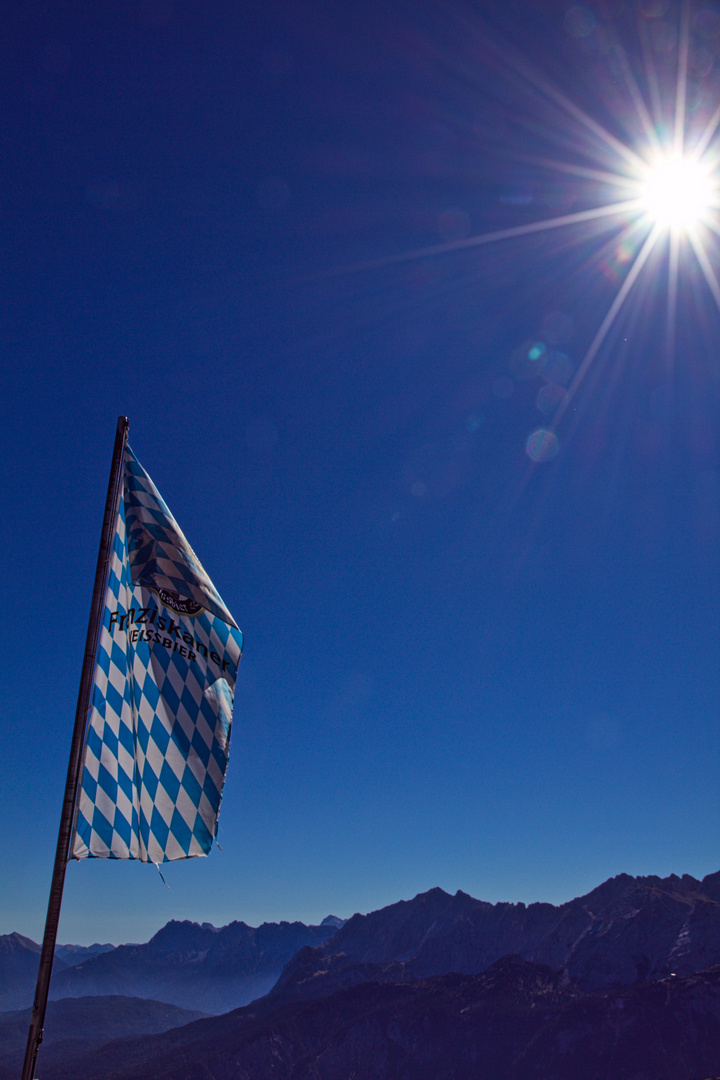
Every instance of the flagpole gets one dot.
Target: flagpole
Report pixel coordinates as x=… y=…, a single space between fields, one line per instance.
x=62 y=853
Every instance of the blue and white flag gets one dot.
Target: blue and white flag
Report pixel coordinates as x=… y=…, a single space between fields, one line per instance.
x=157 y=741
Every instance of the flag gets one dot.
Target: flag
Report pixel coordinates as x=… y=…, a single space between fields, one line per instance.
x=156 y=748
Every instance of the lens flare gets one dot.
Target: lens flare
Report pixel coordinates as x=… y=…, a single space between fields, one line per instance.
x=655 y=194
x=542 y=445
x=677 y=192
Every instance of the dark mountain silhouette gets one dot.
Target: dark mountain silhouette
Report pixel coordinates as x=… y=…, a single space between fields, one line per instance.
x=627 y=931
x=75 y=1026
x=194 y=966
x=515 y=1021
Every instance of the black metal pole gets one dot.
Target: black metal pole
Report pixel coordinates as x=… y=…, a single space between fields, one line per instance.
x=62 y=853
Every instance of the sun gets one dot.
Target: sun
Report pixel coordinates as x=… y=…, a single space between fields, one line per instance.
x=677 y=192
x=654 y=191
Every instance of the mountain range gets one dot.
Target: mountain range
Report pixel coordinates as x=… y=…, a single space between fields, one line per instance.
x=625 y=932
x=623 y=982
x=184 y=964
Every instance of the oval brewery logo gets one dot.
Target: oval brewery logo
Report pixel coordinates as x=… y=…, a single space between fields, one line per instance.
x=177 y=603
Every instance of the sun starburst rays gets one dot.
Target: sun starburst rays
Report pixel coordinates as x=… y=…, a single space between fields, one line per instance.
x=612 y=313
x=677 y=197
x=657 y=190
x=670 y=188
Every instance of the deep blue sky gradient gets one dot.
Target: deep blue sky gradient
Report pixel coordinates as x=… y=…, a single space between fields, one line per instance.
x=461 y=668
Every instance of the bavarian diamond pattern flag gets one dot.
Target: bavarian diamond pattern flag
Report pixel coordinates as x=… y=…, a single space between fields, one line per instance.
x=157 y=741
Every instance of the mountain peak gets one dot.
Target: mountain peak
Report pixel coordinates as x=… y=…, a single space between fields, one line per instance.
x=435 y=893
x=14 y=941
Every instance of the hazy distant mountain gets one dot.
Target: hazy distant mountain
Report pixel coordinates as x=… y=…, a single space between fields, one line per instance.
x=76 y=1026
x=19 y=960
x=194 y=966
x=515 y=1021
x=76 y=954
x=332 y=920
x=628 y=930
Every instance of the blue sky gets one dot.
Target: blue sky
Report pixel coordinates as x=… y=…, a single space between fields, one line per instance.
x=462 y=667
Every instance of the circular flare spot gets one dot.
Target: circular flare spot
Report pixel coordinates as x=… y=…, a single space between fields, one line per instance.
x=542 y=445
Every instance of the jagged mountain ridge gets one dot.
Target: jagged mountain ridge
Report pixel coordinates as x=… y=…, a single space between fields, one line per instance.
x=516 y=1020
x=626 y=931
x=194 y=966
x=227 y=966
